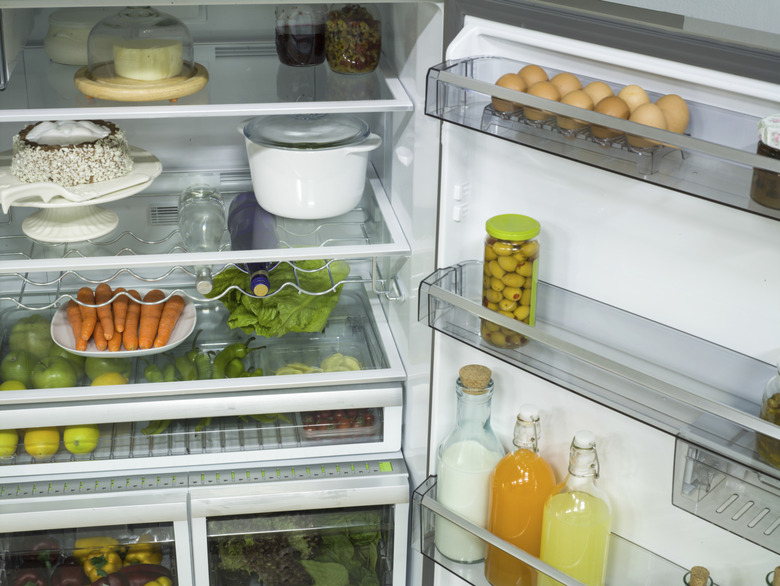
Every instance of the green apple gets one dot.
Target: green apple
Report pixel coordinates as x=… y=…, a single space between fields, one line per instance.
x=76 y=360
x=17 y=365
x=81 y=439
x=31 y=334
x=97 y=365
x=54 y=372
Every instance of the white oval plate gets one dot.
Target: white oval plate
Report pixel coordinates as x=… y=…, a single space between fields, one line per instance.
x=62 y=334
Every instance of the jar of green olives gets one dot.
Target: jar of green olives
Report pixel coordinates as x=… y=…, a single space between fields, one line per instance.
x=768 y=447
x=510 y=275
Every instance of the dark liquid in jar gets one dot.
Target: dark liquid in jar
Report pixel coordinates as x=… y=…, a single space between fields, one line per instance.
x=765 y=187
x=301 y=44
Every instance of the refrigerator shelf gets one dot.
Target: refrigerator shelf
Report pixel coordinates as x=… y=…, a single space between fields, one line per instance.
x=627 y=562
x=713 y=160
x=245 y=79
x=270 y=436
x=356 y=327
x=148 y=253
x=683 y=385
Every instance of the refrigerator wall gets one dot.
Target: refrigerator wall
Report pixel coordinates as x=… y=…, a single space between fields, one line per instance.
x=653 y=252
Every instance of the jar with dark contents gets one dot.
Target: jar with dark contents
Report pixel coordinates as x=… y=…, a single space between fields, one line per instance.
x=510 y=276
x=300 y=34
x=768 y=447
x=765 y=187
x=353 y=38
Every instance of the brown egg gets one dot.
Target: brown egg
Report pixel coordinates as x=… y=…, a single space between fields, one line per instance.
x=598 y=90
x=532 y=74
x=676 y=111
x=649 y=115
x=566 y=83
x=579 y=99
x=634 y=96
x=611 y=106
x=511 y=81
x=542 y=89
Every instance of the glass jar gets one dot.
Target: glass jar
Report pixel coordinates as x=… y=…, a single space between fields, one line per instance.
x=140 y=43
x=465 y=460
x=300 y=34
x=765 y=187
x=510 y=275
x=353 y=38
x=768 y=447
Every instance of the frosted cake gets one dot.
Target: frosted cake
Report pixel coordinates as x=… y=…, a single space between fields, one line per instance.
x=70 y=152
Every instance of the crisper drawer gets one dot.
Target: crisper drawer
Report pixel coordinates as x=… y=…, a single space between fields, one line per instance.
x=329 y=520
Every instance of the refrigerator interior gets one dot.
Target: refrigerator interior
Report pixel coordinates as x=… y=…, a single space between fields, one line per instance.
x=650 y=252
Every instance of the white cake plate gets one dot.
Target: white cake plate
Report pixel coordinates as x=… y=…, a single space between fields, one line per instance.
x=72 y=214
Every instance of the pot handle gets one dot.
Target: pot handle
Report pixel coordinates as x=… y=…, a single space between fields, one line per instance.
x=372 y=142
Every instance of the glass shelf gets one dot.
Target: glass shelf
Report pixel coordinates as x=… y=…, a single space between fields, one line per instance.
x=688 y=387
x=154 y=243
x=356 y=327
x=244 y=80
x=714 y=160
x=628 y=564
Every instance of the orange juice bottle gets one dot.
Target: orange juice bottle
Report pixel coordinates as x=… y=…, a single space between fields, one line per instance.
x=519 y=487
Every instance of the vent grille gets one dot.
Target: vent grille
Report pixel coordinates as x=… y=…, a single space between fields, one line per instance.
x=258 y=50
x=163 y=215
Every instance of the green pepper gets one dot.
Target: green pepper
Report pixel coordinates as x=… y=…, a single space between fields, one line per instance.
x=234 y=368
x=192 y=354
x=156 y=427
x=169 y=372
x=236 y=350
x=153 y=374
x=203 y=365
x=187 y=370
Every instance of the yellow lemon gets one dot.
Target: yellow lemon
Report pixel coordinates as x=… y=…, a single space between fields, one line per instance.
x=42 y=441
x=12 y=385
x=9 y=438
x=81 y=439
x=110 y=378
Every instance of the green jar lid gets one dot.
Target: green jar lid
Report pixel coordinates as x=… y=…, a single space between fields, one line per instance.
x=512 y=227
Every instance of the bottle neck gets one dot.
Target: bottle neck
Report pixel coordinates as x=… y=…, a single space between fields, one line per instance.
x=474 y=409
x=526 y=435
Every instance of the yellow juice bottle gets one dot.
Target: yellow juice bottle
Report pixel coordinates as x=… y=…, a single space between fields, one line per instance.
x=577 y=521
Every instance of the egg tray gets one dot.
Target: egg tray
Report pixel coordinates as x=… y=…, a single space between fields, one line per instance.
x=647 y=160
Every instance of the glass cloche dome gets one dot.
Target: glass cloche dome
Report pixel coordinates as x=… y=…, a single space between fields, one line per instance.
x=140 y=43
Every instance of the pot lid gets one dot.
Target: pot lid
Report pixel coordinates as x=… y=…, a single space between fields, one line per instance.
x=314 y=132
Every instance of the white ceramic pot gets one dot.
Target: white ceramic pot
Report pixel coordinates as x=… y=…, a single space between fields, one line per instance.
x=66 y=39
x=308 y=167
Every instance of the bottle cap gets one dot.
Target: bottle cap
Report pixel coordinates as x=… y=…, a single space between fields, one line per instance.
x=512 y=227
x=475 y=378
x=528 y=413
x=584 y=439
x=260 y=283
x=769 y=131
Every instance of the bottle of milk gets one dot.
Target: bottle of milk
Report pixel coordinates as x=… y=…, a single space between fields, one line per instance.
x=464 y=462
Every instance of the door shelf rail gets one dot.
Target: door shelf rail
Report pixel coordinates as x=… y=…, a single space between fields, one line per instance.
x=694 y=163
x=428 y=514
x=683 y=385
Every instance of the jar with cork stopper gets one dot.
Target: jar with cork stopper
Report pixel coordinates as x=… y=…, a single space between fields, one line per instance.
x=465 y=460
x=698 y=576
x=773 y=577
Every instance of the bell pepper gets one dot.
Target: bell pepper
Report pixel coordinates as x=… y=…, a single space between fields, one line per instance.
x=86 y=545
x=141 y=574
x=99 y=564
x=145 y=551
x=31 y=576
x=44 y=551
x=69 y=574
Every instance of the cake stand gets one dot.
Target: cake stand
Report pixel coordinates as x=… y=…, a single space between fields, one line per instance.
x=72 y=214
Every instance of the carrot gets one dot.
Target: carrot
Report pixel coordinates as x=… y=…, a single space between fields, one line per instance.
x=102 y=295
x=99 y=336
x=130 y=335
x=150 y=318
x=74 y=319
x=115 y=343
x=170 y=315
x=120 y=309
x=88 y=313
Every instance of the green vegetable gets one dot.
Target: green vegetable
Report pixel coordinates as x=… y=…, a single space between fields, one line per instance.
x=234 y=351
x=187 y=369
x=203 y=365
x=156 y=427
x=286 y=310
x=153 y=373
x=169 y=372
x=327 y=573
